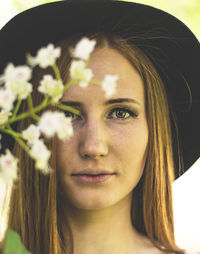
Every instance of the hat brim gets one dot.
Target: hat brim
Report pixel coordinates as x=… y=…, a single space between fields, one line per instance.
x=170 y=45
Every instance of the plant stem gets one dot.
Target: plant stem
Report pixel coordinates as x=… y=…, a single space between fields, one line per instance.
x=30 y=102
x=16 y=108
x=17 y=137
x=67 y=108
x=22 y=144
x=28 y=113
x=35 y=117
x=95 y=82
x=56 y=71
x=69 y=84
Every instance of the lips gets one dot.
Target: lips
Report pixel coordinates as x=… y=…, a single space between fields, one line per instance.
x=93 y=176
x=94 y=172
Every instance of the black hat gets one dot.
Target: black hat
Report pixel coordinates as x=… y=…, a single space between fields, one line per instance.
x=170 y=45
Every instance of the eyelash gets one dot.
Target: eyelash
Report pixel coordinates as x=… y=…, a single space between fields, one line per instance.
x=131 y=113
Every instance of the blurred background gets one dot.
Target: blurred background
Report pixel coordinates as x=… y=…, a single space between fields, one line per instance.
x=186 y=189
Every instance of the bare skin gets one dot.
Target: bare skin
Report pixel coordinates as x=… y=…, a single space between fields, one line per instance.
x=99 y=214
x=103 y=232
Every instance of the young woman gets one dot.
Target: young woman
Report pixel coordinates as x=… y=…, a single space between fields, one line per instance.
x=110 y=191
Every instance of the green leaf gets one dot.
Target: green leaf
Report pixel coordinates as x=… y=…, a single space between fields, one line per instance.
x=13 y=244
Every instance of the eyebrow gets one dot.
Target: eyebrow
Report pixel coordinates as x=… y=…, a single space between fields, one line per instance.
x=112 y=101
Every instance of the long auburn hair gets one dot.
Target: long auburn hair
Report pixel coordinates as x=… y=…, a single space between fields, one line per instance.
x=35 y=209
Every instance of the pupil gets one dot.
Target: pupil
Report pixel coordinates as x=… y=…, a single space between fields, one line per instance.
x=121 y=113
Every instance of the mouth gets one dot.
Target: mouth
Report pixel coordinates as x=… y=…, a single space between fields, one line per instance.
x=94 y=172
x=92 y=179
x=93 y=176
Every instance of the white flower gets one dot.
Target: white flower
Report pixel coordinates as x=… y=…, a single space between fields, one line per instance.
x=21 y=89
x=7 y=98
x=84 y=48
x=51 y=87
x=41 y=155
x=31 y=134
x=8 y=167
x=109 y=84
x=4 y=115
x=47 y=124
x=79 y=72
x=16 y=80
x=45 y=57
x=64 y=126
x=17 y=74
x=52 y=123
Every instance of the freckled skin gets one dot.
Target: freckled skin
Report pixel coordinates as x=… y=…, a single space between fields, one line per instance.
x=103 y=140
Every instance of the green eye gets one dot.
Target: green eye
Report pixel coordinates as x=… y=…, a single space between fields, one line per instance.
x=123 y=113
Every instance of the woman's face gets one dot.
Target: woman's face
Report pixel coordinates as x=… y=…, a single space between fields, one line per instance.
x=110 y=136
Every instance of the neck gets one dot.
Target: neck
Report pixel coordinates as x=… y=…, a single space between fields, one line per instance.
x=108 y=230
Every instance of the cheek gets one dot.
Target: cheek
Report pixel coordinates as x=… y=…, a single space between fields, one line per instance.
x=133 y=149
x=133 y=140
x=64 y=151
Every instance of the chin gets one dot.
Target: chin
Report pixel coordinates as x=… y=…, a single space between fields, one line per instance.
x=92 y=203
x=89 y=200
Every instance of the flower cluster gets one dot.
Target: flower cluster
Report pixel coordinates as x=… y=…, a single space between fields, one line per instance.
x=45 y=57
x=8 y=167
x=15 y=86
x=84 y=75
x=51 y=87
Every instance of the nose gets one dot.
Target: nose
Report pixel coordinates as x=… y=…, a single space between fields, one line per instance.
x=93 y=143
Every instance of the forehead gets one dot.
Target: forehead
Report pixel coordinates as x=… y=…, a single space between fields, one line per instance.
x=109 y=61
